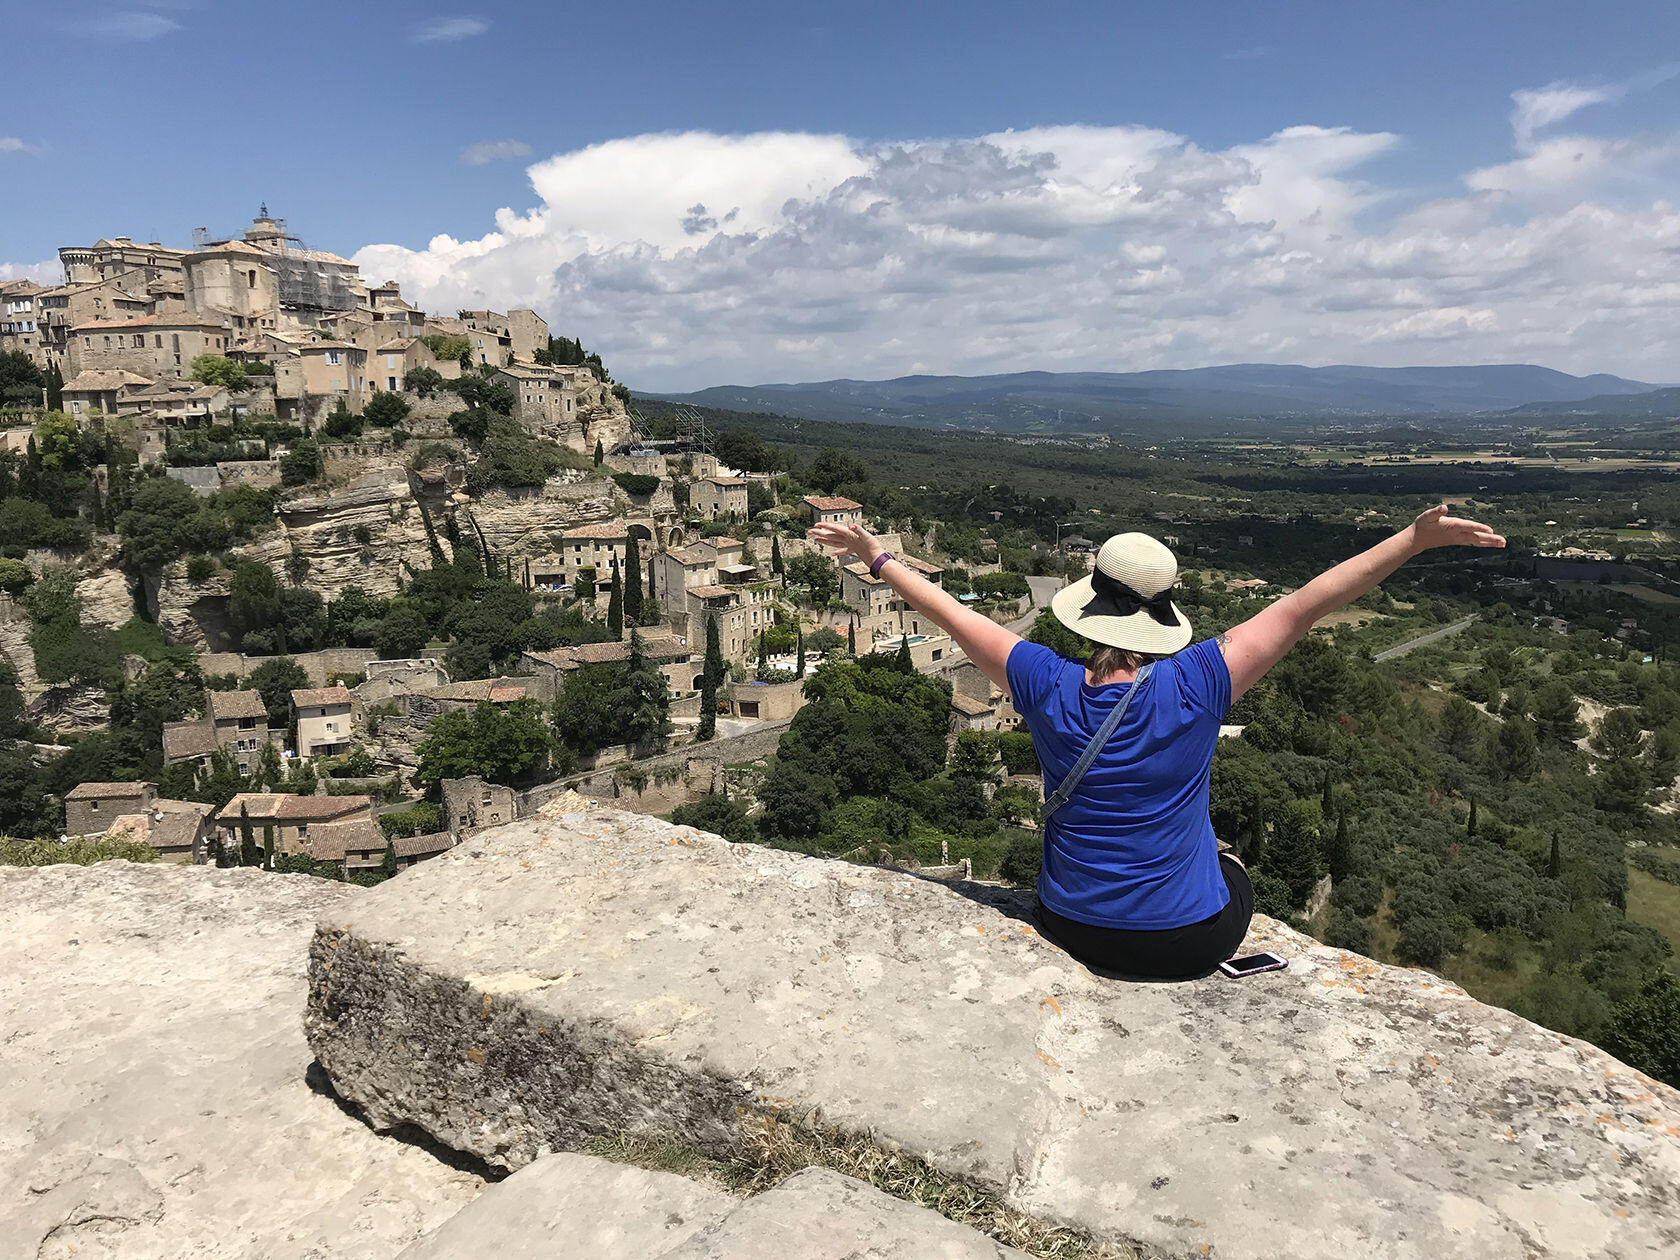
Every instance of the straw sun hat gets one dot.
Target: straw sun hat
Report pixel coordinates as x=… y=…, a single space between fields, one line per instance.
x=1127 y=600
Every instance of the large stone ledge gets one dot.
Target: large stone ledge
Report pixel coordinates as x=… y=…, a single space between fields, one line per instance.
x=560 y=978
x=574 y=1205
x=154 y=1091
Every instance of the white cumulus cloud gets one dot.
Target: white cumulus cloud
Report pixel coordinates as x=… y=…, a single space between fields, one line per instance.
x=694 y=258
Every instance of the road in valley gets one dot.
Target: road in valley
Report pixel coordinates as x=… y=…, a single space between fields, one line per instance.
x=1400 y=649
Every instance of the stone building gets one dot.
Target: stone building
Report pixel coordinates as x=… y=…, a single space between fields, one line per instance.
x=335 y=369
x=155 y=346
x=528 y=333
x=324 y=719
x=269 y=280
x=90 y=808
x=472 y=802
x=598 y=546
x=393 y=360
x=670 y=655
x=739 y=611
x=822 y=509
x=489 y=339
x=879 y=610
x=544 y=399
x=717 y=495
x=139 y=268
x=18 y=319
x=180 y=831
x=101 y=390
x=282 y=820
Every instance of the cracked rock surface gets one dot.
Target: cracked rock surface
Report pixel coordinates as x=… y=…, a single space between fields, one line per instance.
x=154 y=1091
x=559 y=978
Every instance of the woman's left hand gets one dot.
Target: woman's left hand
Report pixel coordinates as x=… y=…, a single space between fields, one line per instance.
x=843 y=537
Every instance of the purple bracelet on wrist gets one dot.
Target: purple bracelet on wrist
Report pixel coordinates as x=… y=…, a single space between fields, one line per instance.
x=875 y=569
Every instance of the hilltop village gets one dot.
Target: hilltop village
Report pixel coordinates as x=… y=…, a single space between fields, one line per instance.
x=330 y=580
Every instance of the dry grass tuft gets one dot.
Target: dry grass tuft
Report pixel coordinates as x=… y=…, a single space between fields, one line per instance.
x=774 y=1150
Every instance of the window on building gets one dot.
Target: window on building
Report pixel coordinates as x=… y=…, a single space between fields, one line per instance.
x=139 y=341
x=157 y=342
x=251 y=279
x=391 y=383
x=334 y=358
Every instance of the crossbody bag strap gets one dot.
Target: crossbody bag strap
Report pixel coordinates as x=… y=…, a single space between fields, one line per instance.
x=1070 y=781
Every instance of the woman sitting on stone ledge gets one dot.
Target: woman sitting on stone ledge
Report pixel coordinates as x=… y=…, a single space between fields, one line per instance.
x=1133 y=881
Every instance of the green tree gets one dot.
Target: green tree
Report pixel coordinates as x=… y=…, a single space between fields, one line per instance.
x=643 y=713
x=707 y=727
x=633 y=580
x=1292 y=854
x=1621 y=780
x=799 y=665
x=388 y=863
x=1517 y=747
x=505 y=744
x=600 y=453
x=385 y=409
x=851 y=638
x=717 y=814
x=21 y=382
x=816 y=573
x=1557 y=714
x=402 y=633
x=423 y=381
x=1644 y=1030
x=254 y=600
x=615 y=604
x=901 y=659
x=219 y=370
x=830 y=469
x=716 y=669
x=1338 y=854
x=763 y=651
x=341 y=424
x=301 y=464
x=275 y=681
x=776 y=565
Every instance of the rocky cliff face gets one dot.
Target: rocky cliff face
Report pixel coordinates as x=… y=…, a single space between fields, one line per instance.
x=644 y=977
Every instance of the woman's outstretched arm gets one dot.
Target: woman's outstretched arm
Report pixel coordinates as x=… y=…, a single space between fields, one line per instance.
x=985 y=642
x=1261 y=642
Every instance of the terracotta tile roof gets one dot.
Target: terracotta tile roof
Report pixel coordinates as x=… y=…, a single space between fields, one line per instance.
x=506 y=695
x=720 y=543
x=196 y=738
x=601 y=529
x=99 y=791
x=99 y=380
x=325 y=345
x=148 y=321
x=167 y=826
x=826 y=503
x=400 y=346
x=307 y=697
x=333 y=841
x=237 y=704
x=467 y=689
x=688 y=556
x=423 y=846
x=666 y=648
x=285 y=807
x=712 y=592
x=971 y=706
x=726 y=481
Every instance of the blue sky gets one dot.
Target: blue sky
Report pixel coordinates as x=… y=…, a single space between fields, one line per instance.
x=1289 y=182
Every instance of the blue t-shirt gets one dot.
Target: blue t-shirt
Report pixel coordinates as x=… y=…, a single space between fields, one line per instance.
x=1133 y=847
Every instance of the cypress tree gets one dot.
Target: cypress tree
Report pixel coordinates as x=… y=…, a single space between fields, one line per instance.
x=708 y=709
x=799 y=668
x=633 y=580
x=1554 y=863
x=55 y=387
x=1327 y=799
x=902 y=661
x=615 y=604
x=600 y=452
x=776 y=565
x=248 y=855
x=1293 y=855
x=715 y=668
x=1337 y=856
x=763 y=651
x=1470 y=826
x=851 y=638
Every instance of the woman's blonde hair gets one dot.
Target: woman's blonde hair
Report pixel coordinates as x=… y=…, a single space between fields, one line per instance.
x=1107 y=661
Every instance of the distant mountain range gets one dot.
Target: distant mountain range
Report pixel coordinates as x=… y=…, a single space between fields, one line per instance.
x=1022 y=402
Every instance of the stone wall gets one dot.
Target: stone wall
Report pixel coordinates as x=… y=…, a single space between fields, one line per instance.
x=658 y=784
x=320 y=666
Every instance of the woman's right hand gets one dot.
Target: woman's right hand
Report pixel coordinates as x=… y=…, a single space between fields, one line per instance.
x=843 y=537
x=1435 y=528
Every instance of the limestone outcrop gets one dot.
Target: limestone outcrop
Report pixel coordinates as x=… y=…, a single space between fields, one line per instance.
x=559 y=979
x=575 y=1205
x=156 y=1098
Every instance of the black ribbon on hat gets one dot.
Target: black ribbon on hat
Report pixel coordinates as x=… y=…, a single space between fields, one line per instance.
x=1110 y=597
